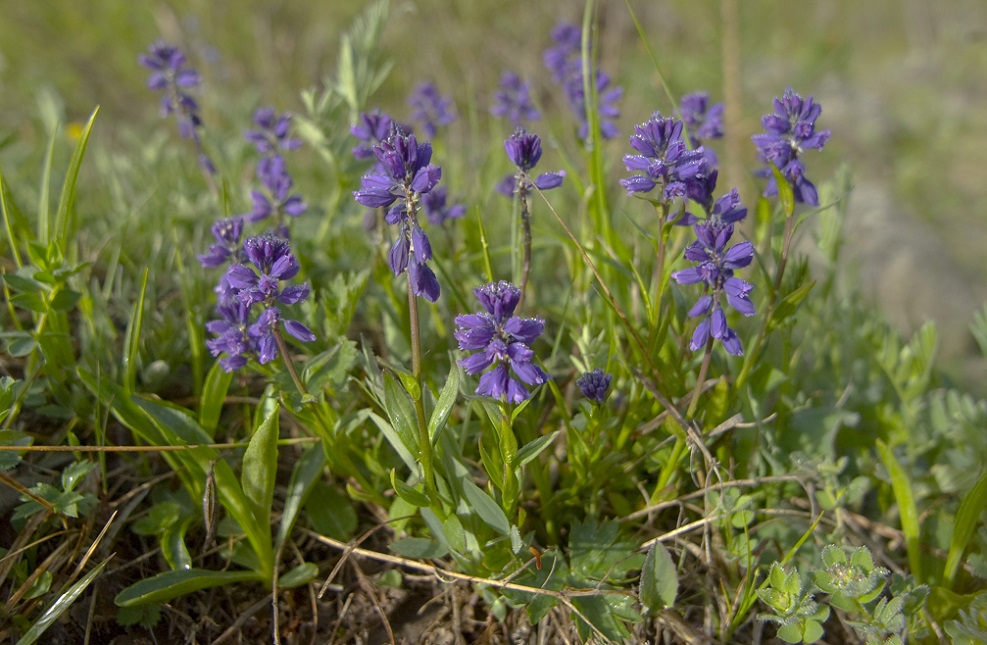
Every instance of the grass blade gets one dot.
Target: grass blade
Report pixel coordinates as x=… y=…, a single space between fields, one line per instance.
x=906 y=507
x=966 y=522
x=8 y=226
x=61 y=603
x=63 y=218
x=132 y=341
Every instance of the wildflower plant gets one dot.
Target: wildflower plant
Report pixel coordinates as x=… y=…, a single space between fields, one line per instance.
x=689 y=431
x=171 y=76
x=524 y=151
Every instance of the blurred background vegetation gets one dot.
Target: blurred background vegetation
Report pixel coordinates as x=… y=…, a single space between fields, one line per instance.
x=903 y=85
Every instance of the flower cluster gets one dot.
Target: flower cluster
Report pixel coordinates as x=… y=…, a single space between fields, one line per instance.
x=436 y=208
x=790 y=130
x=715 y=264
x=170 y=76
x=372 y=129
x=271 y=262
x=564 y=61
x=702 y=122
x=595 y=385
x=430 y=108
x=664 y=161
x=524 y=150
x=513 y=100
x=501 y=340
x=403 y=174
x=275 y=200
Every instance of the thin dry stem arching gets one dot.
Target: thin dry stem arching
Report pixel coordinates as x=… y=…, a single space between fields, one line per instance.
x=563 y=597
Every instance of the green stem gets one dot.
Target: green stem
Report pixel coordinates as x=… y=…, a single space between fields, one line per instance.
x=522 y=193
x=288 y=363
x=424 y=442
x=772 y=303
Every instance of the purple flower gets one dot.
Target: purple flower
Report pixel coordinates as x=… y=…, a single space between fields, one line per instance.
x=565 y=63
x=170 y=76
x=562 y=60
x=513 y=100
x=227 y=247
x=372 y=129
x=275 y=199
x=263 y=333
x=664 y=161
x=702 y=122
x=595 y=385
x=524 y=151
x=231 y=338
x=436 y=210
x=274 y=262
x=790 y=130
x=502 y=341
x=272 y=133
x=714 y=268
x=242 y=287
x=430 y=108
x=403 y=174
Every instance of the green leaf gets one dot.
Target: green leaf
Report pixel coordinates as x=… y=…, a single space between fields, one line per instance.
x=907 y=509
x=44 y=209
x=172 y=584
x=63 y=602
x=304 y=476
x=20 y=344
x=30 y=302
x=65 y=300
x=303 y=574
x=532 y=449
x=447 y=399
x=455 y=534
x=789 y=305
x=401 y=412
x=785 y=194
x=407 y=493
x=66 y=202
x=486 y=508
x=260 y=466
x=132 y=339
x=173 y=545
x=659 y=579
x=213 y=396
x=331 y=512
x=418 y=548
x=22 y=283
x=396 y=441
x=8 y=224
x=967 y=517
x=9 y=459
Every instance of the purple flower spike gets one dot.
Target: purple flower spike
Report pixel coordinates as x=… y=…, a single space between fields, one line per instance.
x=272 y=133
x=524 y=151
x=170 y=76
x=513 y=100
x=665 y=162
x=502 y=341
x=227 y=247
x=702 y=121
x=565 y=63
x=402 y=177
x=242 y=287
x=595 y=385
x=431 y=108
x=434 y=204
x=714 y=268
x=790 y=130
